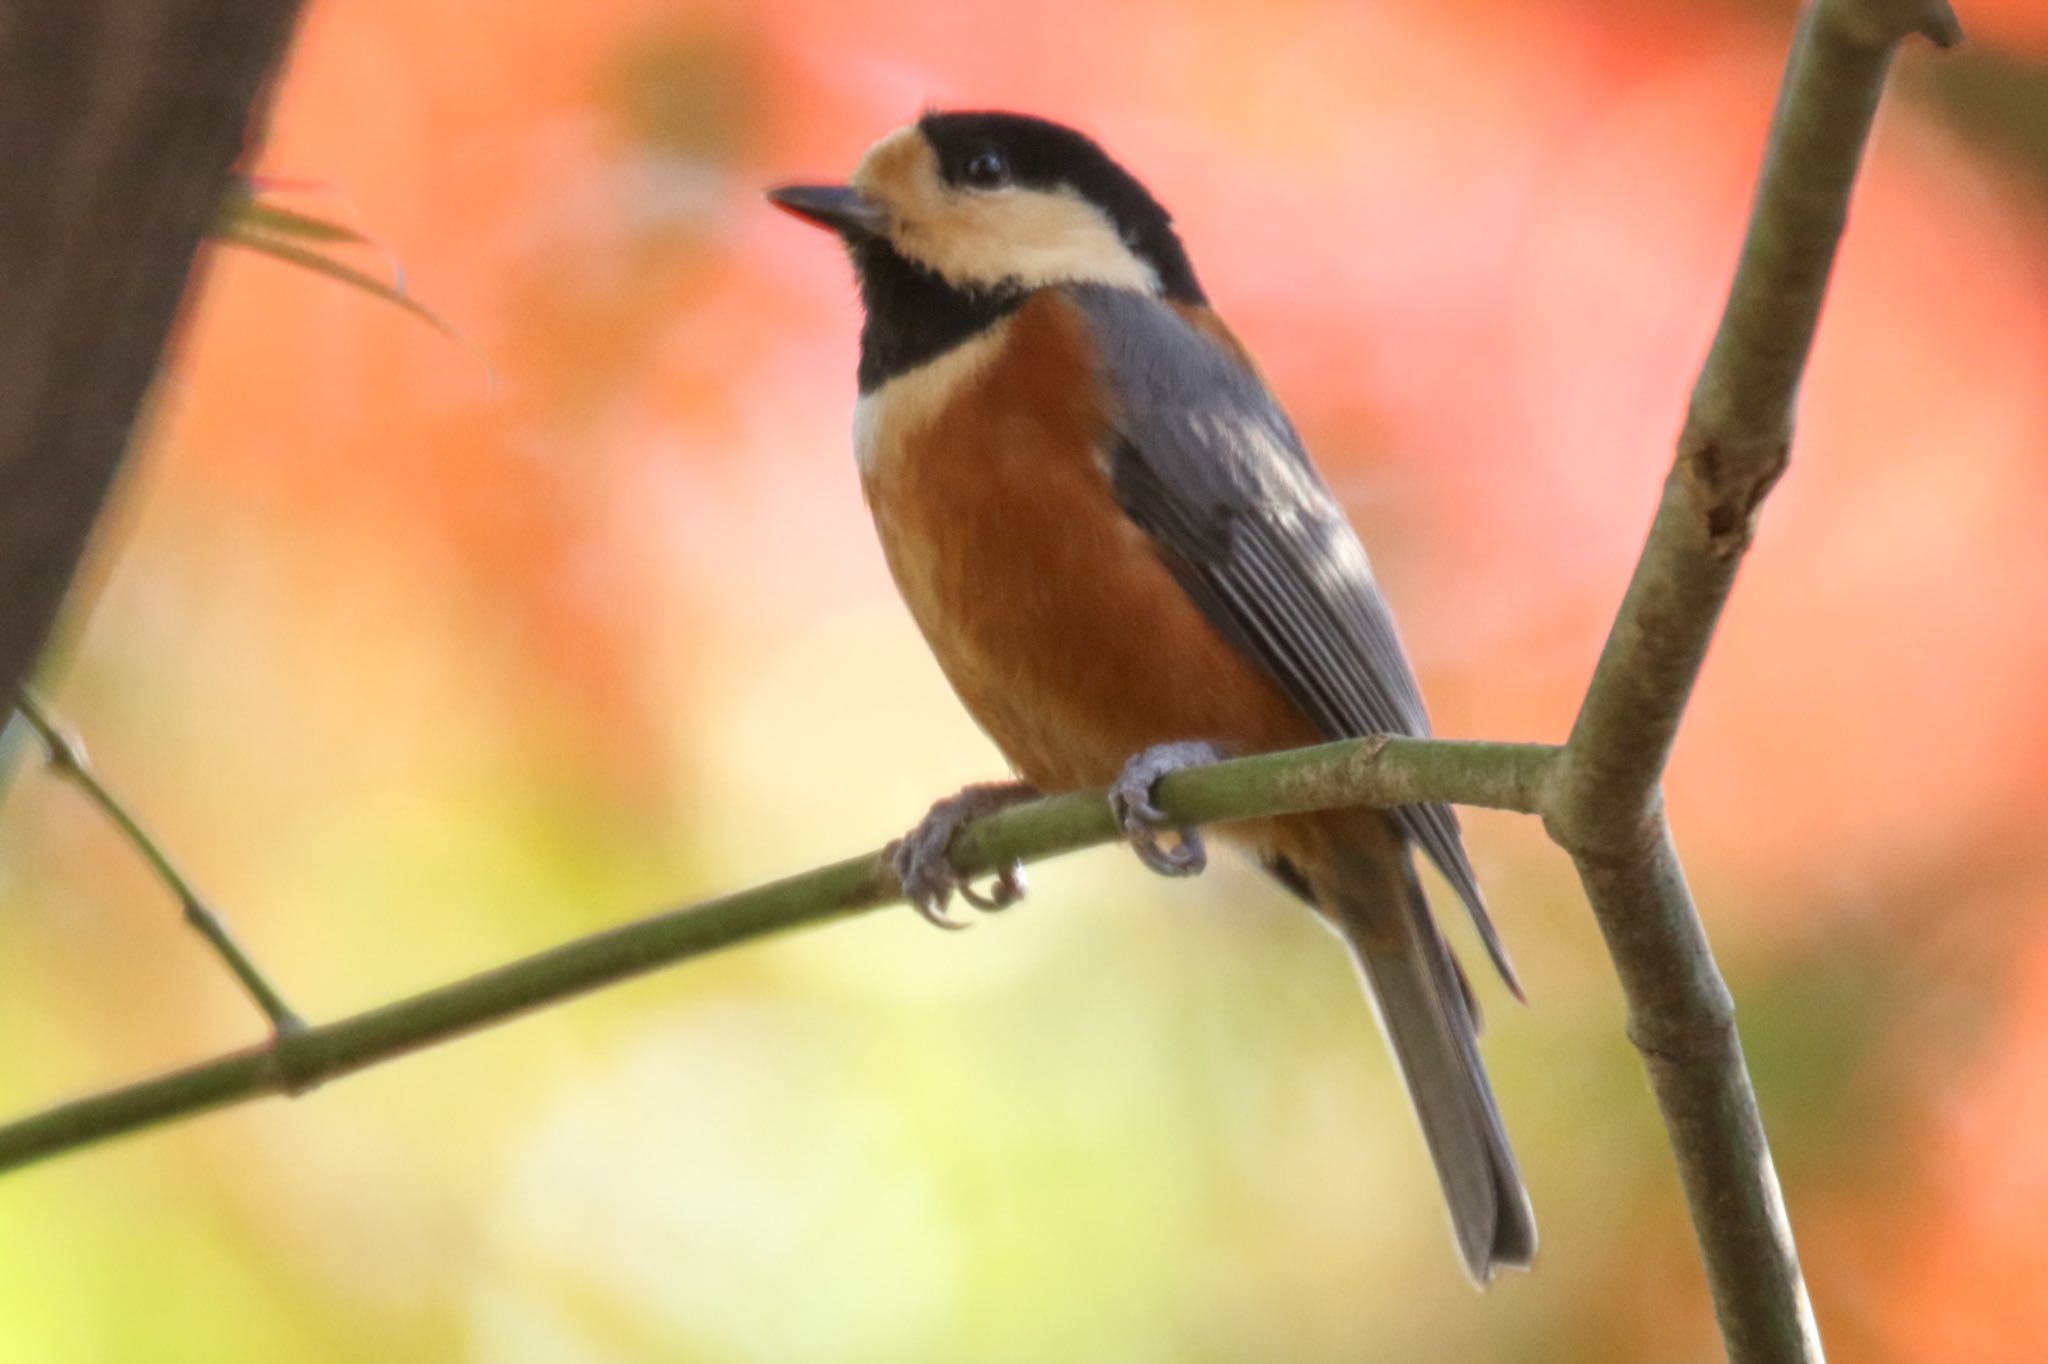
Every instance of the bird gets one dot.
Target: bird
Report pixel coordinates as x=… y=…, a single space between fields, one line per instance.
x=1117 y=547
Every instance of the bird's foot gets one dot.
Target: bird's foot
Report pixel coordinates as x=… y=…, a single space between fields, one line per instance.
x=1130 y=799
x=927 y=872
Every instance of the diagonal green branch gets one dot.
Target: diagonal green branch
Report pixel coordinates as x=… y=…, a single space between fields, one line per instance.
x=1376 y=771
x=67 y=759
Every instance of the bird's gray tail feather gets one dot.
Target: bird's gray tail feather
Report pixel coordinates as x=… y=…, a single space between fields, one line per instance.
x=1424 y=1003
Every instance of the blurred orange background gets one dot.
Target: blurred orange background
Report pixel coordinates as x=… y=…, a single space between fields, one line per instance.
x=415 y=672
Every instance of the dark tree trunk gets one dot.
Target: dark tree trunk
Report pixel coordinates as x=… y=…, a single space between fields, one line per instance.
x=119 y=121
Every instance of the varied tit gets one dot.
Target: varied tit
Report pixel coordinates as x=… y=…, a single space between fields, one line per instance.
x=1119 y=551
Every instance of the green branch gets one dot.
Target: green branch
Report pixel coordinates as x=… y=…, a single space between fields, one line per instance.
x=1374 y=771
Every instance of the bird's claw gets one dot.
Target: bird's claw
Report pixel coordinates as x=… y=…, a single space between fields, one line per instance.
x=926 y=871
x=1009 y=887
x=1130 y=799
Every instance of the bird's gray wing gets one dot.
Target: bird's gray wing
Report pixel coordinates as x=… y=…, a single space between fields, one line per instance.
x=1204 y=461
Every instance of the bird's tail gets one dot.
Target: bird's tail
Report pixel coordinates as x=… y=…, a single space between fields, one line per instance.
x=1371 y=898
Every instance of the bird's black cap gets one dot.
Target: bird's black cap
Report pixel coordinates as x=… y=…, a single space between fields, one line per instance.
x=1046 y=155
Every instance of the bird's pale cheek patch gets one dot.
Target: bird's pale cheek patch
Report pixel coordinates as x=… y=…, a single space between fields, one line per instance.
x=899 y=172
x=1040 y=237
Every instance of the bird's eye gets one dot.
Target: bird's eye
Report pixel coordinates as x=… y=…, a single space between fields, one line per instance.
x=986 y=169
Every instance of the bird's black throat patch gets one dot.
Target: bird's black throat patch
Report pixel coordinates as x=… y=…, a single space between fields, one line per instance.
x=913 y=314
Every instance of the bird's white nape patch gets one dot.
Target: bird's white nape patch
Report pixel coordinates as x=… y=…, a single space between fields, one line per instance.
x=1018 y=236
x=884 y=418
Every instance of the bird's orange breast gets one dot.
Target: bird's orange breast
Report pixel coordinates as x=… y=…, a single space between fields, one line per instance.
x=1048 y=609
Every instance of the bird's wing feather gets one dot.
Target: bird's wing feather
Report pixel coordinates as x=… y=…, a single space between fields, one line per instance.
x=1205 y=462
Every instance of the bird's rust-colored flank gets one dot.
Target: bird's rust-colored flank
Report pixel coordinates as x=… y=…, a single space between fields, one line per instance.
x=1051 y=615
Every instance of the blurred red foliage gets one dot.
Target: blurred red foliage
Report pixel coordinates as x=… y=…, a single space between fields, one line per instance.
x=1479 y=247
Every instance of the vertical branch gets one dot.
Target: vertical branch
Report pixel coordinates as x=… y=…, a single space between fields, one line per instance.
x=1681 y=1018
x=1604 y=806
x=1738 y=429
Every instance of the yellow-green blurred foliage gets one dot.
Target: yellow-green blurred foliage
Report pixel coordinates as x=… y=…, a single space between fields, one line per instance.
x=414 y=675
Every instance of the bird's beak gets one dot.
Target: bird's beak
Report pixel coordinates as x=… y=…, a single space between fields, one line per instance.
x=841 y=208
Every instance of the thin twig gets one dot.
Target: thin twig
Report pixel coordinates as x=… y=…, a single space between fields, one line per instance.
x=1374 y=771
x=68 y=760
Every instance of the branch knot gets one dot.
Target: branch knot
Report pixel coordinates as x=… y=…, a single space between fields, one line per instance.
x=1727 y=479
x=1881 y=23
